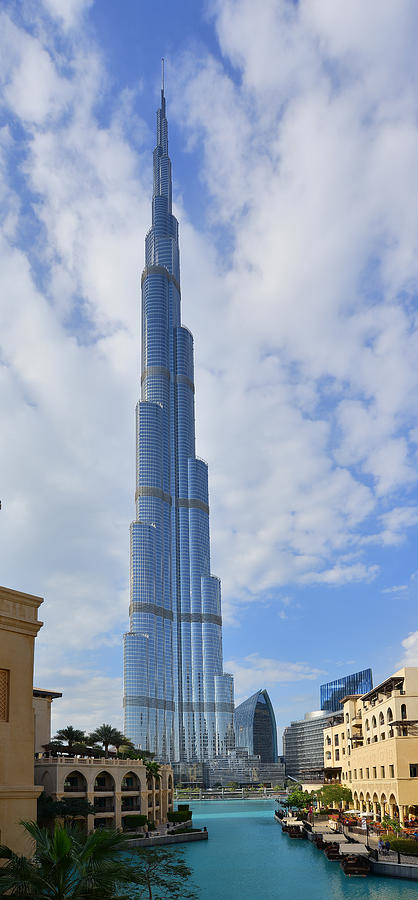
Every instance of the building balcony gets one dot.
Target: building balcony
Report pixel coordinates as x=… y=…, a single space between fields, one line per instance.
x=103 y=806
x=131 y=804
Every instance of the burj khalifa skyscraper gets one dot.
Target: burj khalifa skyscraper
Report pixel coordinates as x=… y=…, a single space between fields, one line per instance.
x=178 y=703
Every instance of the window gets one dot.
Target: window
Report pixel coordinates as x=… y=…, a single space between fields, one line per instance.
x=375 y=739
x=374 y=772
x=403 y=711
x=382 y=736
x=336 y=741
x=355 y=774
x=391 y=771
x=413 y=770
x=337 y=755
x=328 y=754
x=361 y=773
x=347 y=717
x=381 y=718
x=328 y=739
x=367 y=773
x=382 y=771
x=374 y=722
x=4 y=695
x=389 y=717
x=367 y=725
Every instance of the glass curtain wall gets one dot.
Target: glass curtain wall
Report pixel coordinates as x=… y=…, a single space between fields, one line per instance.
x=178 y=702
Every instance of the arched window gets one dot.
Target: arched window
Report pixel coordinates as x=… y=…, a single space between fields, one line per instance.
x=104 y=782
x=403 y=711
x=381 y=719
x=389 y=716
x=374 y=722
x=347 y=718
x=75 y=782
x=367 y=725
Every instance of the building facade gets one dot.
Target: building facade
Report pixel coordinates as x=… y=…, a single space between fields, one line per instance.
x=333 y=692
x=178 y=703
x=19 y=625
x=255 y=727
x=118 y=789
x=372 y=747
x=303 y=747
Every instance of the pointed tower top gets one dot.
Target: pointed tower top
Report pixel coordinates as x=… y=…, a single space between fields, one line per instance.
x=162 y=86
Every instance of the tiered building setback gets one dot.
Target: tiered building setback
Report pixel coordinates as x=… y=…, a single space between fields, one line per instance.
x=178 y=702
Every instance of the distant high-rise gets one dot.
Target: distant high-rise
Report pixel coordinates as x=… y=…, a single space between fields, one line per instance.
x=255 y=727
x=333 y=692
x=178 y=702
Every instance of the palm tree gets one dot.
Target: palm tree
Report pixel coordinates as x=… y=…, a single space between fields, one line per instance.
x=67 y=865
x=106 y=735
x=71 y=735
x=120 y=739
x=153 y=768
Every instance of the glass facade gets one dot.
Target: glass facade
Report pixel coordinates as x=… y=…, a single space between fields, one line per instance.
x=333 y=692
x=255 y=727
x=178 y=703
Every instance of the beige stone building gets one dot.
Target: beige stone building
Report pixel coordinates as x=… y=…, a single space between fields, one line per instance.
x=19 y=626
x=42 y=702
x=372 y=747
x=118 y=789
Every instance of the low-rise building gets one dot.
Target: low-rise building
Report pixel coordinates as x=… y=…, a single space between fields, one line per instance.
x=118 y=789
x=42 y=702
x=19 y=625
x=372 y=747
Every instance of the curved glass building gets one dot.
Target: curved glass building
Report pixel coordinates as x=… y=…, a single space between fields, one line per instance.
x=255 y=727
x=178 y=703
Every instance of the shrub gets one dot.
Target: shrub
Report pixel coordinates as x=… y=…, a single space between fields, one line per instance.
x=179 y=815
x=403 y=845
x=135 y=821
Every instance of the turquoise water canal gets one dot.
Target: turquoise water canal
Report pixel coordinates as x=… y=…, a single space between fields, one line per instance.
x=248 y=858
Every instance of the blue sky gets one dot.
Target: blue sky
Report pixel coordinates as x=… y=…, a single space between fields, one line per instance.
x=294 y=141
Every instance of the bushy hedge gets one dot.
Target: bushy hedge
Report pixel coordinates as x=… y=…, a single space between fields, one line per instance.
x=179 y=815
x=135 y=821
x=403 y=845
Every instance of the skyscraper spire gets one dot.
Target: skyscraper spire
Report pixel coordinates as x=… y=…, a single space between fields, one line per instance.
x=178 y=703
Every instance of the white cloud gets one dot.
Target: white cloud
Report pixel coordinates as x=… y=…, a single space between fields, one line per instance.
x=255 y=672
x=306 y=334
x=410 y=645
x=309 y=163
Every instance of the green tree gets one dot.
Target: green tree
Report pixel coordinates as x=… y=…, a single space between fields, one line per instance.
x=120 y=740
x=68 y=809
x=334 y=793
x=106 y=735
x=152 y=768
x=299 y=799
x=68 y=865
x=126 y=752
x=71 y=736
x=394 y=824
x=163 y=874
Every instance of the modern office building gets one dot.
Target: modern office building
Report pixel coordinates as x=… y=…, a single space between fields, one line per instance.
x=333 y=692
x=255 y=727
x=303 y=747
x=178 y=703
x=371 y=747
